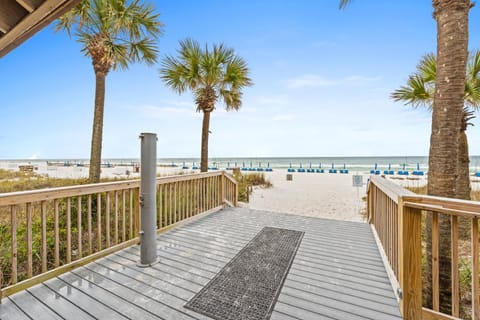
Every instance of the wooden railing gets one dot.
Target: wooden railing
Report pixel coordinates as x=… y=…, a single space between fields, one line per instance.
x=399 y=218
x=47 y=232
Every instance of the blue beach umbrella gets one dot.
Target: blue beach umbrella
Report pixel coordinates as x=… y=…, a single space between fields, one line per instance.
x=259 y=167
x=290 y=169
x=301 y=168
x=268 y=167
x=376 y=169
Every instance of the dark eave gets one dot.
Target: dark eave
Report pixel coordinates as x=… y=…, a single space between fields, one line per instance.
x=21 y=19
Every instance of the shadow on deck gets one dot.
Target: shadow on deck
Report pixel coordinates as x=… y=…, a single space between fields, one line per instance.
x=337 y=274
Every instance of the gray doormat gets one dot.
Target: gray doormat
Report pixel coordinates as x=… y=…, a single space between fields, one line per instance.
x=248 y=286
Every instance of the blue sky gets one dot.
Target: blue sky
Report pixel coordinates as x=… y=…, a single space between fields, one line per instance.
x=322 y=83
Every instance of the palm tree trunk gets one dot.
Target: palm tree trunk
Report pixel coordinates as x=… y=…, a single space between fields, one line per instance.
x=97 y=132
x=205 y=131
x=463 y=180
x=463 y=183
x=452 y=51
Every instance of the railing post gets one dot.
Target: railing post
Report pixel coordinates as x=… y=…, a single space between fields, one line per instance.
x=222 y=188
x=235 y=194
x=410 y=261
x=148 y=203
x=370 y=207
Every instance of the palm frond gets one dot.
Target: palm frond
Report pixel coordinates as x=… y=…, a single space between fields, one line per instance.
x=468 y=116
x=210 y=72
x=143 y=50
x=236 y=73
x=415 y=93
x=472 y=82
x=174 y=74
x=472 y=93
x=232 y=99
x=127 y=30
x=427 y=68
x=119 y=55
x=344 y=3
x=473 y=67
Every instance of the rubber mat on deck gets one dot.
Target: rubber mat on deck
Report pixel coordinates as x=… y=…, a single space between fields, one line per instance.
x=248 y=286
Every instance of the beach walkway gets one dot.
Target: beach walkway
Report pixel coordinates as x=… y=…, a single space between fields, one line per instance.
x=337 y=273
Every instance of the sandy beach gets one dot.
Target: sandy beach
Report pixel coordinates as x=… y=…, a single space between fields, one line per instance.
x=324 y=195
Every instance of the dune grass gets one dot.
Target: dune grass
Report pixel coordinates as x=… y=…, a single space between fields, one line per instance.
x=247 y=181
x=12 y=181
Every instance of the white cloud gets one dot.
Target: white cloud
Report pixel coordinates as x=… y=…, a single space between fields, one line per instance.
x=316 y=81
x=33 y=157
x=358 y=78
x=309 y=81
x=162 y=112
x=179 y=103
x=273 y=100
x=283 y=117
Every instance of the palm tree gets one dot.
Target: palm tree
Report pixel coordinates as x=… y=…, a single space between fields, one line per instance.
x=419 y=92
x=452 y=51
x=113 y=33
x=212 y=75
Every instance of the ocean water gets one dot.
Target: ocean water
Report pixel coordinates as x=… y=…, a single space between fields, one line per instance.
x=354 y=164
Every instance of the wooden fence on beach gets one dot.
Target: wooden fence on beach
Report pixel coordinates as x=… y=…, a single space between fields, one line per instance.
x=399 y=216
x=47 y=232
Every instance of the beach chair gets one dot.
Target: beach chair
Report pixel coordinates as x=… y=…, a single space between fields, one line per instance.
x=310 y=169
x=194 y=167
x=332 y=169
x=185 y=167
x=251 y=168
x=375 y=170
x=389 y=170
x=403 y=172
x=300 y=169
x=344 y=170
x=319 y=169
x=418 y=172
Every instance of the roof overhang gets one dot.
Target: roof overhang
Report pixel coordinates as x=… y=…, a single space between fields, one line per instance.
x=21 y=19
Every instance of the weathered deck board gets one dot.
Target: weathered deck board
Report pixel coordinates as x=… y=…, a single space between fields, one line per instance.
x=337 y=274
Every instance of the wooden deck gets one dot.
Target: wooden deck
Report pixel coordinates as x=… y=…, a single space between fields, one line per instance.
x=337 y=274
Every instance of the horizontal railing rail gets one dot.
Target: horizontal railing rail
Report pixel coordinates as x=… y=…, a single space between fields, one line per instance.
x=47 y=232
x=411 y=229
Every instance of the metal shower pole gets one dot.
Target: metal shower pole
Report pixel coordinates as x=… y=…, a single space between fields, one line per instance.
x=148 y=204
